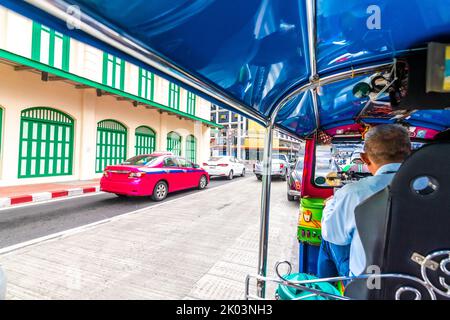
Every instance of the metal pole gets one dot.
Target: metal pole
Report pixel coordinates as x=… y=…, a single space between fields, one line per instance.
x=315 y=106
x=238 y=142
x=267 y=164
x=265 y=210
x=312 y=45
x=312 y=34
x=229 y=138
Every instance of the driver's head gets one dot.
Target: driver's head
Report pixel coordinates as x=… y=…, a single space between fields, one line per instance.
x=386 y=143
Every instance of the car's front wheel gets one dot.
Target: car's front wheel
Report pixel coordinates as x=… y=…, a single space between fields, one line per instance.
x=202 y=183
x=160 y=191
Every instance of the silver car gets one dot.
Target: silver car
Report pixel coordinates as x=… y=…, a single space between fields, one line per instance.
x=280 y=167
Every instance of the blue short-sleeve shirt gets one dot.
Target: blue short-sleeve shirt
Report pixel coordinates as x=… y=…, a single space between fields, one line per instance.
x=338 y=219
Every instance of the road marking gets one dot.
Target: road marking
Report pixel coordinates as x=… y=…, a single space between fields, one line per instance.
x=62 y=234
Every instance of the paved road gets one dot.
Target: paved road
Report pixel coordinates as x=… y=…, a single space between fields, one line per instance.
x=30 y=222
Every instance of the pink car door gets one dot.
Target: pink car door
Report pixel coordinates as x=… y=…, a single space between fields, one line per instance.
x=173 y=174
x=189 y=174
x=194 y=174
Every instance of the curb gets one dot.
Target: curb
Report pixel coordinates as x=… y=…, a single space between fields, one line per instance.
x=44 y=196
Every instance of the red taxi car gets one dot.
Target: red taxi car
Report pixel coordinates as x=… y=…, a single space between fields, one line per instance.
x=154 y=175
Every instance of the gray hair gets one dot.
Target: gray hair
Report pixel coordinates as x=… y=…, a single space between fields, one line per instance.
x=387 y=143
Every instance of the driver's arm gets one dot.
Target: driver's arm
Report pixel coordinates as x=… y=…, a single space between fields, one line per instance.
x=338 y=218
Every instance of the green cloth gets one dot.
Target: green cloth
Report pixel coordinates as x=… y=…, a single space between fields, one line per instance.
x=290 y=293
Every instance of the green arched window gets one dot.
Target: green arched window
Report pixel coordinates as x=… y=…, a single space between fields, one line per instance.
x=174 y=143
x=145 y=140
x=191 y=148
x=46 y=143
x=111 y=144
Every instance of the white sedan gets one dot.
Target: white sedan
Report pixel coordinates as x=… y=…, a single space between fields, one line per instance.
x=225 y=166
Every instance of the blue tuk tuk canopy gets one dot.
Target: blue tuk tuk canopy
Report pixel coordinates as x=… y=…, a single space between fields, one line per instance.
x=257 y=50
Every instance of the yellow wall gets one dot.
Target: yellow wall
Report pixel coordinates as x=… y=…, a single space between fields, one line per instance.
x=255 y=138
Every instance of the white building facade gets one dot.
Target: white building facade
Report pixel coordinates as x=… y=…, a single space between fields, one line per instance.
x=67 y=109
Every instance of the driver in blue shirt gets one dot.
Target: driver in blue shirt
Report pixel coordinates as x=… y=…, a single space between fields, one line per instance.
x=341 y=253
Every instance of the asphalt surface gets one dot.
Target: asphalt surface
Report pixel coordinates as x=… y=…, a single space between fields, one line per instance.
x=30 y=222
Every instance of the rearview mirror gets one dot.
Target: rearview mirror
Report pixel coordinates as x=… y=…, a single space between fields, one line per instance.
x=361 y=90
x=320 y=180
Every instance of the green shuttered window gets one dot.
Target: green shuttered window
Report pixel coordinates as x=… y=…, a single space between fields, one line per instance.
x=174 y=96
x=50 y=47
x=145 y=89
x=111 y=144
x=46 y=143
x=113 y=71
x=191 y=148
x=174 y=143
x=145 y=140
x=191 y=100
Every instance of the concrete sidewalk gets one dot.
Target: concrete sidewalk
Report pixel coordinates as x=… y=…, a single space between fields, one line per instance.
x=197 y=247
x=45 y=191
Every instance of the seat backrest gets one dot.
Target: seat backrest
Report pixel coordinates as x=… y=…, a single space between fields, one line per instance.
x=411 y=217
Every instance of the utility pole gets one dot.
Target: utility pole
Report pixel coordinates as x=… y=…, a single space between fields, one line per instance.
x=238 y=138
x=229 y=140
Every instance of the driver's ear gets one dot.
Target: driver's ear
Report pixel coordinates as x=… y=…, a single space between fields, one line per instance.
x=365 y=158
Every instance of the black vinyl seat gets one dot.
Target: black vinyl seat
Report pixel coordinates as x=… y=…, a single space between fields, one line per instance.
x=411 y=217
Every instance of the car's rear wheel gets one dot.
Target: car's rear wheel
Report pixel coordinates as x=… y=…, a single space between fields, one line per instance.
x=284 y=177
x=259 y=177
x=203 y=182
x=160 y=191
x=230 y=175
x=290 y=198
x=243 y=172
x=121 y=195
